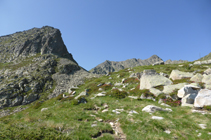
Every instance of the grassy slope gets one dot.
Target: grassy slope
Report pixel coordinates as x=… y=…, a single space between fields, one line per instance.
x=64 y=120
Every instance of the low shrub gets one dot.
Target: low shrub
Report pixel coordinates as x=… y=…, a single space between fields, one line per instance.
x=59 y=97
x=106 y=87
x=74 y=102
x=118 y=94
x=159 y=87
x=161 y=96
x=37 y=105
x=171 y=102
x=183 y=80
x=132 y=80
x=207 y=107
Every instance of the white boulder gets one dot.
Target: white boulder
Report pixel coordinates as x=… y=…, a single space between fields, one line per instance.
x=152 y=109
x=197 y=78
x=176 y=74
x=170 y=88
x=203 y=98
x=151 y=79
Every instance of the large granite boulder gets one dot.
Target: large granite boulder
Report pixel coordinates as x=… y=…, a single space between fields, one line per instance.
x=188 y=94
x=197 y=78
x=176 y=74
x=203 y=98
x=151 y=79
x=170 y=88
x=208 y=71
x=207 y=80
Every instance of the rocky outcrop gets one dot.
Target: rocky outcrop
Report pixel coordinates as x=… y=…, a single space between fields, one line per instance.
x=45 y=40
x=151 y=79
x=35 y=64
x=111 y=66
x=176 y=74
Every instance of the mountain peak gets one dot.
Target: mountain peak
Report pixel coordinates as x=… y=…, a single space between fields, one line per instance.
x=45 y=40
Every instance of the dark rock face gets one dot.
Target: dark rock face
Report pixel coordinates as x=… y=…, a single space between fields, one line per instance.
x=35 y=64
x=45 y=40
x=111 y=66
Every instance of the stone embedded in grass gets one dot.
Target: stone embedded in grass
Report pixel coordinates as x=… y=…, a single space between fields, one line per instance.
x=43 y=109
x=100 y=94
x=203 y=126
x=152 y=109
x=105 y=110
x=167 y=131
x=133 y=97
x=157 y=118
x=133 y=112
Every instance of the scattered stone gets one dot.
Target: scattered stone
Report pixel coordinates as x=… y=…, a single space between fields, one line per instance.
x=105 y=105
x=105 y=110
x=43 y=109
x=118 y=84
x=199 y=135
x=164 y=74
x=110 y=78
x=176 y=74
x=100 y=89
x=84 y=93
x=99 y=85
x=202 y=62
x=133 y=97
x=157 y=118
x=208 y=71
x=203 y=98
x=93 y=125
x=203 y=126
x=199 y=111
x=133 y=112
x=167 y=131
x=115 y=111
x=100 y=94
x=163 y=104
x=152 y=109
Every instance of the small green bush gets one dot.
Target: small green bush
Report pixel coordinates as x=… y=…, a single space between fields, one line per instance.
x=161 y=96
x=132 y=80
x=59 y=97
x=37 y=105
x=171 y=102
x=183 y=80
x=159 y=87
x=207 y=108
x=118 y=94
x=74 y=102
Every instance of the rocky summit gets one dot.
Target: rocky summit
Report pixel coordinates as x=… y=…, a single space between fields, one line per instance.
x=35 y=64
x=111 y=66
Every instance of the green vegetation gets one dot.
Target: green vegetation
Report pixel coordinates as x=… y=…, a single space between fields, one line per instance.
x=67 y=118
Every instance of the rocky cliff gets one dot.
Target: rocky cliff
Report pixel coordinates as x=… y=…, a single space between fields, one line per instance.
x=35 y=64
x=111 y=66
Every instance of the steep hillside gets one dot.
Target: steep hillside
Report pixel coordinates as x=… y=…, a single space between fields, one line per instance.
x=114 y=107
x=111 y=66
x=35 y=64
x=206 y=57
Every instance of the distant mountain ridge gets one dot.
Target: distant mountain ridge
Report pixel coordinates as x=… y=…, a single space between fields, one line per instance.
x=111 y=66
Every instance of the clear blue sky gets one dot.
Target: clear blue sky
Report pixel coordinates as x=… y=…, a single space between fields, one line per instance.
x=116 y=30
